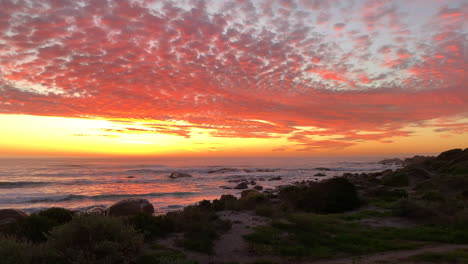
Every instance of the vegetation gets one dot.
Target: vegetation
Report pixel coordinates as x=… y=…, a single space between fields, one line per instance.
x=313 y=220
x=452 y=257
x=331 y=196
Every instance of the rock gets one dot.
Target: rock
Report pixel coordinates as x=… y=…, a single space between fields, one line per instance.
x=416 y=160
x=258 y=187
x=320 y=174
x=237 y=180
x=323 y=169
x=225 y=187
x=223 y=170
x=261 y=179
x=176 y=175
x=11 y=215
x=227 y=198
x=131 y=177
x=132 y=206
x=252 y=183
x=395 y=161
x=96 y=210
x=242 y=185
x=275 y=178
x=247 y=193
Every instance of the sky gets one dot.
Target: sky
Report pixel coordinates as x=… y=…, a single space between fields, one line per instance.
x=232 y=78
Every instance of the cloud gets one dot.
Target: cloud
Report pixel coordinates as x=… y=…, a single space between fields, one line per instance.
x=219 y=65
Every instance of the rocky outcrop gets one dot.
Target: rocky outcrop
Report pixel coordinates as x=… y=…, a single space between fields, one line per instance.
x=132 y=206
x=11 y=215
x=394 y=161
x=278 y=178
x=258 y=187
x=176 y=175
x=320 y=175
x=223 y=170
x=96 y=210
x=246 y=193
x=242 y=185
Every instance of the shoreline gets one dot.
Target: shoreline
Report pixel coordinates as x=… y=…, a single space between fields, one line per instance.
x=388 y=213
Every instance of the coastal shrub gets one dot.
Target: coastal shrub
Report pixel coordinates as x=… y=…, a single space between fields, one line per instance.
x=332 y=196
x=432 y=196
x=152 y=226
x=415 y=211
x=396 y=179
x=388 y=195
x=35 y=227
x=96 y=239
x=14 y=251
x=57 y=215
x=200 y=225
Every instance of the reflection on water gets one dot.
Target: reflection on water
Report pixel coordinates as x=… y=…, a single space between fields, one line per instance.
x=32 y=184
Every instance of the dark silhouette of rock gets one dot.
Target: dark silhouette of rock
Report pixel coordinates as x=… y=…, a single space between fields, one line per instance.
x=97 y=210
x=176 y=175
x=247 y=193
x=416 y=160
x=252 y=182
x=223 y=170
x=322 y=169
x=242 y=185
x=278 y=178
x=395 y=161
x=320 y=174
x=131 y=177
x=132 y=206
x=225 y=187
x=258 y=187
x=11 y=215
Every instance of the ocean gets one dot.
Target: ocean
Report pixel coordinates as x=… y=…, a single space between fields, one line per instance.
x=79 y=183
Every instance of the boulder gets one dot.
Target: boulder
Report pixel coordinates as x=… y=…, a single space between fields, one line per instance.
x=242 y=185
x=223 y=170
x=252 y=183
x=275 y=178
x=320 y=174
x=96 y=210
x=258 y=187
x=132 y=206
x=11 y=215
x=395 y=161
x=246 y=193
x=176 y=175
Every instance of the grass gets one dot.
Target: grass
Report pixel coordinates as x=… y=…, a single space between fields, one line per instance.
x=324 y=236
x=452 y=257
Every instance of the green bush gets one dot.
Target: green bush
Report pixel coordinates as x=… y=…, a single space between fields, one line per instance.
x=13 y=251
x=58 y=215
x=332 y=196
x=396 y=179
x=200 y=225
x=152 y=226
x=96 y=239
x=36 y=226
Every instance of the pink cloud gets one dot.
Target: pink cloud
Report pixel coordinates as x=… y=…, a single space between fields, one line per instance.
x=221 y=70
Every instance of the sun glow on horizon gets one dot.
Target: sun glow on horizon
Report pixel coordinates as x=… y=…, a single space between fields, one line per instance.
x=26 y=135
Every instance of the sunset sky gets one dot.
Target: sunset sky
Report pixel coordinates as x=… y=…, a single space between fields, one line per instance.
x=232 y=78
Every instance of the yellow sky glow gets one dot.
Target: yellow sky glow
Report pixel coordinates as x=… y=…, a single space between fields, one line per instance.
x=26 y=135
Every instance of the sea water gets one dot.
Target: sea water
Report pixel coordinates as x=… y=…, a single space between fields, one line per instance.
x=81 y=183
